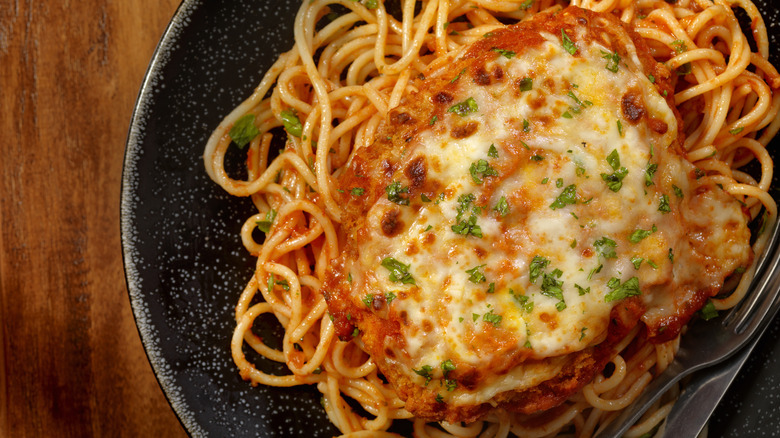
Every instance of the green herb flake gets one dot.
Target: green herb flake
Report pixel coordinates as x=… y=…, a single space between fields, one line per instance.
x=582 y=290
x=677 y=191
x=652 y=78
x=491 y=288
x=464 y=108
x=458 y=76
x=663 y=204
x=639 y=234
x=671 y=255
x=425 y=371
x=582 y=333
x=292 y=123
x=567 y=43
x=526 y=5
x=679 y=46
x=394 y=191
x=368 y=300
x=637 y=261
x=505 y=53
x=526 y=84
x=502 y=207
x=475 y=276
x=537 y=266
x=389 y=297
x=736 y=131
x=265 y=226
x=613 y=61
x=244 y=131
x=424 y=198
x=399 y=272
x=620 y=127
x=567 y=197
x=433 y=120
x=492 y=151
x=709 y=311
x=619 y=291
x=605 y=247
x=492 y=318
x=650 y=170
x=357 y=191
x=481 y=168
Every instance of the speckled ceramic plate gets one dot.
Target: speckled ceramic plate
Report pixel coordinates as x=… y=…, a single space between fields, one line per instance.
x=184 y=261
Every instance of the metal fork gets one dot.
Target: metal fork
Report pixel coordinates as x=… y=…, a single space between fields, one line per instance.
x=707 y=343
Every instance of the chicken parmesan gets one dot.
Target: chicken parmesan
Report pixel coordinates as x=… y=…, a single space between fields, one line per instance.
x=520 y=213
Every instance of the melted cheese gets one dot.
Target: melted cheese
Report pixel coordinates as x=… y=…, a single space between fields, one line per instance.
x=478 y=299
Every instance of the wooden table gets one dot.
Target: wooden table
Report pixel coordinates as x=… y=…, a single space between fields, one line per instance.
x=71 y=362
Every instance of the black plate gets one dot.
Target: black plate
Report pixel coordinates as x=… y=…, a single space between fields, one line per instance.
x=184 y=261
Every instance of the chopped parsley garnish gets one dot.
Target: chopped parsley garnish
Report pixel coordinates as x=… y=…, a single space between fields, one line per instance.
x=371 y=4
x=355 y=332
x=613 y=61
x=640 y=234
x=708 y=311
x=439 y=398
x=492 y=151
x=526 y=84
x=652 y=78
x=464 y=108
x=458 y=77
x=679 y=46
x=614 y=180
x=394 y=191
x=433 y=120
x=581 y=289
x=475 y=276
x=567 y=43
x=506 y=53
x=736 y=131
x=559 y=182
x=663 y=204
x=637 y=261
x=522 y=300
x=424 y=198
x=537 y=266
x=292 y=123
x=467 y=226
x=492 y=318
x=595 y=270
x=491 y=288
x=265 y=226
x=526 y=125
x=357 y=191
x=605 y=247
x=677 y=191
x=481 y=168
x=649 y=173
x=582 y=333
x=389 y=297
x=671 y=255
x=399 y=272
x=537 y=158
x=620 y=127
x=368 y=299
x=618 y=290
x=553 y=288
x=244 y=131
x=526 y=5
x=567 y=197
x=425 y=371
x=447 y=366
x=502 y=207
x=684 y=69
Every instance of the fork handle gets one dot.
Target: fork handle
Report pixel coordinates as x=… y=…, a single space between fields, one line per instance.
x=700 y=398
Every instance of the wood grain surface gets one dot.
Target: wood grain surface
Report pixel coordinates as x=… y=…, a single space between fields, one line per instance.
x=71 y=362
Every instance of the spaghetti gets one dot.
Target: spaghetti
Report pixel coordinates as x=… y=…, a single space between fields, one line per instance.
x=333 y=91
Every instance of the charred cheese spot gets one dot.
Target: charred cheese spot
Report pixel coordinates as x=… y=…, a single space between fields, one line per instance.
x=391 y=224
x=524 y=227
x=632 y=107
x=464 y=130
